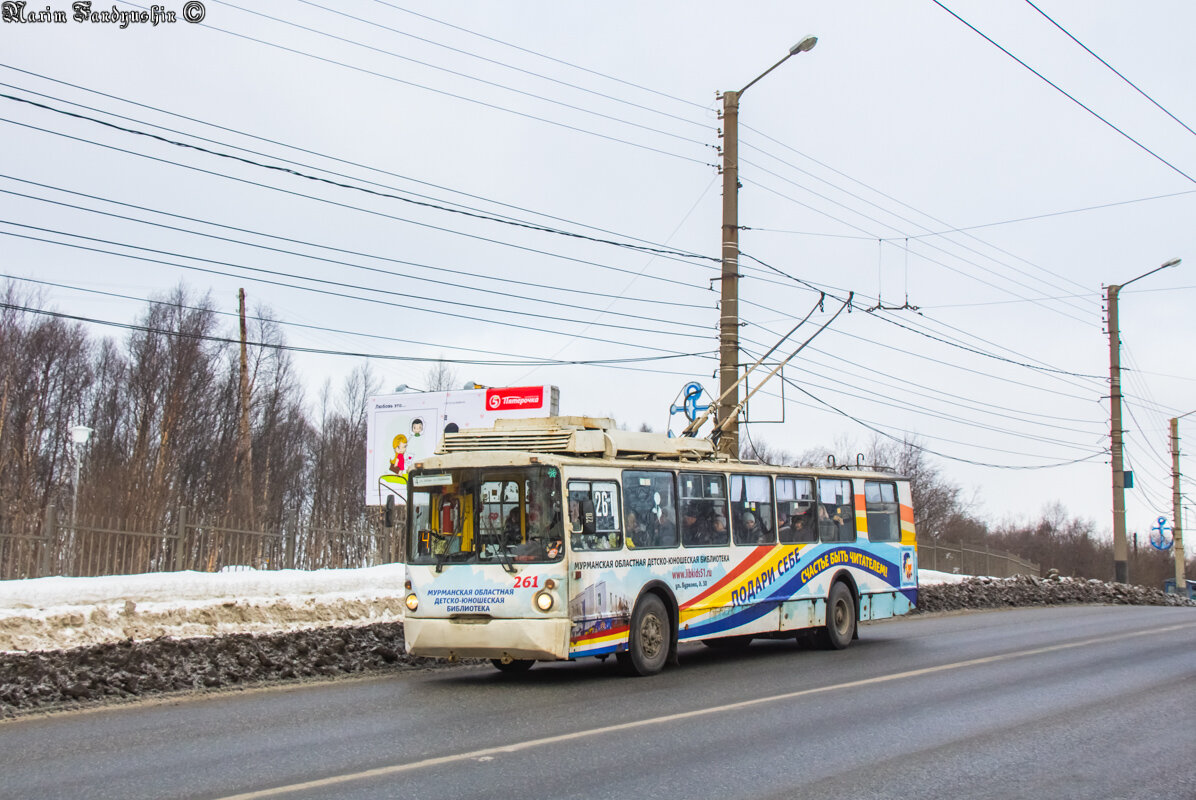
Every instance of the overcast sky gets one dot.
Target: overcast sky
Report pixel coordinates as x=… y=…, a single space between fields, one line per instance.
x=602 y=120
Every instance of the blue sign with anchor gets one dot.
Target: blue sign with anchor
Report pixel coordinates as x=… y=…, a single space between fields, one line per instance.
x=691 y=405
x=1158 y=535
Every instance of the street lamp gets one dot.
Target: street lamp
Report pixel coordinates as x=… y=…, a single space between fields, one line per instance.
x=728 y=325
x=1177 y=528
x=1120 y=548
x=80 y=434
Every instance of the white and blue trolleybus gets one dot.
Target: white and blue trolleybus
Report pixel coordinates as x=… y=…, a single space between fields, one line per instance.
x=562 y=538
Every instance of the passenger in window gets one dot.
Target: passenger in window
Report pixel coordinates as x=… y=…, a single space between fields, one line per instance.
x=753 y=531
x=833 y=519
x=637 y=532
x=689 y=525
x=804 y=521
x=667 y=530
x=512 y=533
x=718 y=533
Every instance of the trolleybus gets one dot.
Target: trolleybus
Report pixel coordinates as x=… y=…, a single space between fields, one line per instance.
x=563 y=538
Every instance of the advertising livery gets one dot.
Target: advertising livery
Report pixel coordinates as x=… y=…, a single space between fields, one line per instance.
x=564 y=538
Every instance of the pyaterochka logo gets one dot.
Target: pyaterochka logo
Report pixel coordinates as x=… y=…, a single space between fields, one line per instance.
x=19 y=12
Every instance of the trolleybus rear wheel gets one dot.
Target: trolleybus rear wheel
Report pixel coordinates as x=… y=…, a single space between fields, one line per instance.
x=840 y=618
x=648 y=645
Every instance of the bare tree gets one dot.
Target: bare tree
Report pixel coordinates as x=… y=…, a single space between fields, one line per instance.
x=753 y=448
x=937 y=501
x=440 y=377
x=44 y=376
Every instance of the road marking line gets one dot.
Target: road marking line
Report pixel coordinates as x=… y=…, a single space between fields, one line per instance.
x=488 y=753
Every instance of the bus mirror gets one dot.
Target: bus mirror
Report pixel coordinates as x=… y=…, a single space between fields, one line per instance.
x=389 y=520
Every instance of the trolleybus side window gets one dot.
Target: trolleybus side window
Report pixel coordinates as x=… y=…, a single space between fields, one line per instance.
x=836 y=510
x=751 y=509
x=704 y=510
x=797 y=511
x=594 y=515
x=650 y=509
x=884 y=520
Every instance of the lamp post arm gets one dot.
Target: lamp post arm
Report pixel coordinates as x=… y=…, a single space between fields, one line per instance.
x=1172 y=263
x=765 y=72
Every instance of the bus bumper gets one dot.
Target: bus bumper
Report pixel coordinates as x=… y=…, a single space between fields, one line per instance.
x=538 y=639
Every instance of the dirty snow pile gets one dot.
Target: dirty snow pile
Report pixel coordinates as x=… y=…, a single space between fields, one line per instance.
x=1027 y=590
x=60 y=613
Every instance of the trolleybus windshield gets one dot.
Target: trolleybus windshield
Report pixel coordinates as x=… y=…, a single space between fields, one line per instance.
x=502 y=515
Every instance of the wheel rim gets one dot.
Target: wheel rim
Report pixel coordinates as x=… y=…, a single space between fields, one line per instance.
x=841 y=618
x=651 y=636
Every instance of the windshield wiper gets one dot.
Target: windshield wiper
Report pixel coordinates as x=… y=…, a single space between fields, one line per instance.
x=504 y=557
x=443 y=556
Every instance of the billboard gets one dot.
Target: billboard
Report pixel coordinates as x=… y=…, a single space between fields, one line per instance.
x=407 y=427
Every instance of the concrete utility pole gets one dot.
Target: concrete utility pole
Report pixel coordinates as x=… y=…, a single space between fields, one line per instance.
x=728 y=321
x=244 y=451
x=1120 y=546
x=728 y=324
x=1177 y=507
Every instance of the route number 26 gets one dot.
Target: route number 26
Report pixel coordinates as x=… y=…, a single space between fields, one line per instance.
x=602 y=504
x=527 y=581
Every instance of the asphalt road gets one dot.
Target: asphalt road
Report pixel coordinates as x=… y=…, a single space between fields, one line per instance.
x=1091 y=702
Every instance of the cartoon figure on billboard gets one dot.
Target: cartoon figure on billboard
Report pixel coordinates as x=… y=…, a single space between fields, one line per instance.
x=395 y=478
x=398 y=464
x=417 y=427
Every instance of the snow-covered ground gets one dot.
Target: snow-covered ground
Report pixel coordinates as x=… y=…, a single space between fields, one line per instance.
x=54 y=613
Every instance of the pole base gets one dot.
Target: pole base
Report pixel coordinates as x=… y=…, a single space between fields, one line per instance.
x=1121 y=573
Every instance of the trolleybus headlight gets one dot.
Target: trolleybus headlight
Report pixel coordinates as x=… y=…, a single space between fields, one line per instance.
x=544 y=601
x=412 y=602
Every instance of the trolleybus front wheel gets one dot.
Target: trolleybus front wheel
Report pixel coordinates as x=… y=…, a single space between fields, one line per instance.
x=840 y=618
x=514 y=665
x=651 y=635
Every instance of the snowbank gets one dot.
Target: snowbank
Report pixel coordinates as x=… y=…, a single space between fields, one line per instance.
x=59 y=613
x=930 y=577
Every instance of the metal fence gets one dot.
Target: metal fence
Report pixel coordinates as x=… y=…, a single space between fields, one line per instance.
x=973 y=559
x=34 y=548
